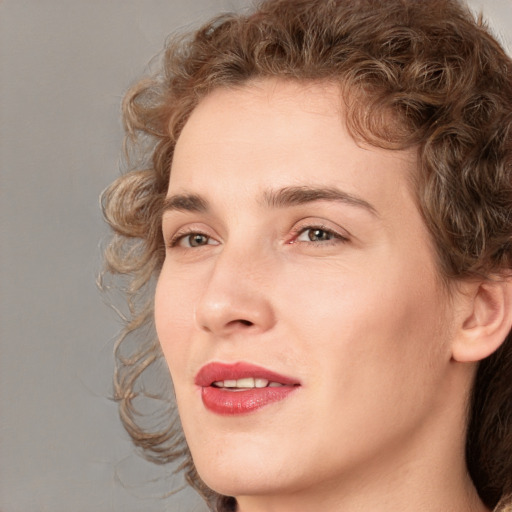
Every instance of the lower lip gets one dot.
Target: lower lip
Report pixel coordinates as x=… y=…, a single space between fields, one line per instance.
x=221 y=401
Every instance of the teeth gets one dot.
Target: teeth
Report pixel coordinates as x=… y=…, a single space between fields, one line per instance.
x=260 y=383
x=246 y=383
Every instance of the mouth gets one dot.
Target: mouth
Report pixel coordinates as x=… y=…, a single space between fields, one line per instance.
x=241 y=388
x=246 y=383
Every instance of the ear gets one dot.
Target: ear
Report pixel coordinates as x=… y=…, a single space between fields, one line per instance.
x=486 y=319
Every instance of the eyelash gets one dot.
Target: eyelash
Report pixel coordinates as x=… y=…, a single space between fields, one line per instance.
x=181 y=235
x=296 y=233
x=336 y=237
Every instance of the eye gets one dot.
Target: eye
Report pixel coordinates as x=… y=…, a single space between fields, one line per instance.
x=318 y=234
x=192 y=240
x=315 y=235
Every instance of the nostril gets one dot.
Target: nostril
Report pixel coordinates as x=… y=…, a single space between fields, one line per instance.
x=240 y=322
x=244 y=322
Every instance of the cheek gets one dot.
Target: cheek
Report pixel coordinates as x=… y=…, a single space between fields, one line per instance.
x=383 y=326
x=174 y=314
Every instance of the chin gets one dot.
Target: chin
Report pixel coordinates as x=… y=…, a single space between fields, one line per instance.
x=249 y=483
x=242 y=471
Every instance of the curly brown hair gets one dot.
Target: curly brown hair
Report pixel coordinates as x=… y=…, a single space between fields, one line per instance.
x=412 y=73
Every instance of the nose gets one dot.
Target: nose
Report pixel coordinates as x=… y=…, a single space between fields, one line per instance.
x=237 y=296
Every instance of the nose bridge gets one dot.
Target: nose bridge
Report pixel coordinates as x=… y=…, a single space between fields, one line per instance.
x=236 y=295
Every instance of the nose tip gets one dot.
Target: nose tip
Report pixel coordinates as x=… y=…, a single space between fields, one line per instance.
x=228 y=310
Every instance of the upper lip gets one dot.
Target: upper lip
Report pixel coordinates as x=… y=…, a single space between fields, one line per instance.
x=215 y=372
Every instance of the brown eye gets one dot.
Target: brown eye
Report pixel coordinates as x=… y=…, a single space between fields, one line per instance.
x=195 y=240
x=315 y=235
x=191 y=240
x=319 y=235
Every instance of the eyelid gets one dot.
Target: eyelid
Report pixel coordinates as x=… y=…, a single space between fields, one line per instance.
x=181 y=233
x=339 y=235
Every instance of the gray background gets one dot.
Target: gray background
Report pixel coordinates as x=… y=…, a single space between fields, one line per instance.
x=64 y=65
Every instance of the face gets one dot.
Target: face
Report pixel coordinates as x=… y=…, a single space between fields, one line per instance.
x=299 y=306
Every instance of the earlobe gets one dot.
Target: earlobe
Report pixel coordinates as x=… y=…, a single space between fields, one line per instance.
x=487 y=320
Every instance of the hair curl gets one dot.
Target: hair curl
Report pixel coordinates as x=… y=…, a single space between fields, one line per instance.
x=412 y=73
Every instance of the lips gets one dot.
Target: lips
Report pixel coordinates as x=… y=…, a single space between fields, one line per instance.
x=240 y=388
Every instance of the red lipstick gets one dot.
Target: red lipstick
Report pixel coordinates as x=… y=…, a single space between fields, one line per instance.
x=240 y=388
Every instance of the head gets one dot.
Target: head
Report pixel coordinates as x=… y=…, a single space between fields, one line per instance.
x=418 y=86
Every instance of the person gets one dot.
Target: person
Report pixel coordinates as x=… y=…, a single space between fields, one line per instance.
x=322 y=192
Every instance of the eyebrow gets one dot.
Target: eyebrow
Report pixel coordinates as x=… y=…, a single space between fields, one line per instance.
x=292 y=196
x=185 y=203
x=282 y=198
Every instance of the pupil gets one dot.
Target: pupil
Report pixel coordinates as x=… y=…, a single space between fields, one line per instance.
x=318 y=234
x=196 y=240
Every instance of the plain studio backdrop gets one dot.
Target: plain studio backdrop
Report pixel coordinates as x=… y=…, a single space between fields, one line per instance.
x=64 y=65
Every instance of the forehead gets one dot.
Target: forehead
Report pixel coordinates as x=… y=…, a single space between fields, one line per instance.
x=279 y=95
x=261 y=115
x=279 y=130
